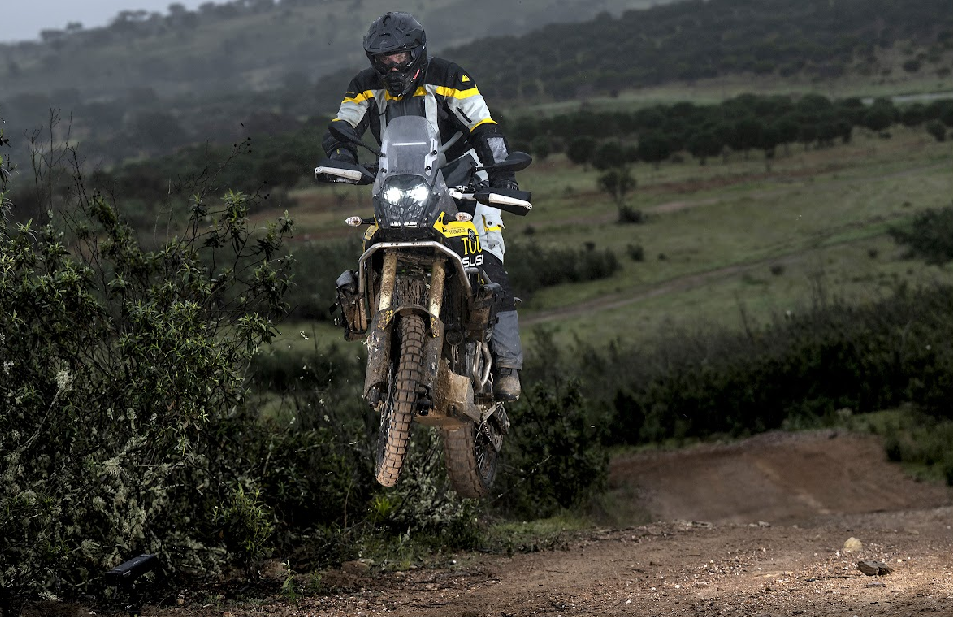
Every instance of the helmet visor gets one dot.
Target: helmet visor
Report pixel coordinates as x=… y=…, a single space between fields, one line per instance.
x=398 y=61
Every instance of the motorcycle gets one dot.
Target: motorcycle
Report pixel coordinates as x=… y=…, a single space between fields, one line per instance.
x=421 y=301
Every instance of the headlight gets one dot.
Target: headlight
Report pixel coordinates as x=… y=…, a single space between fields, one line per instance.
x=393 y=195
x=419 y=193
x=398 y=195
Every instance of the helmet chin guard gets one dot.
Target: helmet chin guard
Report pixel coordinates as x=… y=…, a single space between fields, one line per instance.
x=400 y=83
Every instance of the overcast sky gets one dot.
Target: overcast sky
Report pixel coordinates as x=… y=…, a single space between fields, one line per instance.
x=22 y=20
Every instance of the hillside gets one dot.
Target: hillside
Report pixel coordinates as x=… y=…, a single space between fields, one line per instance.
x=813 y=40
x=250 y=44
x=216 y=75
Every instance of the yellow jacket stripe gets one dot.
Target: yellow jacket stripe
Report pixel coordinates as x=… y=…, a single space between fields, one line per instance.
x=457 y=94
x=421 y=91
x=360 y=98
x=481 y=123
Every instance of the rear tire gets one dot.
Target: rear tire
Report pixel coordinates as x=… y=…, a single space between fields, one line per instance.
x=471 y=460
x=398 y=411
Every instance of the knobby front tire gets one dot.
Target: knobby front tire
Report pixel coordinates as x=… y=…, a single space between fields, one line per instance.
x=398 y=412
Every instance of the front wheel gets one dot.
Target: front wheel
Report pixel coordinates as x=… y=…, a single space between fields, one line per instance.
x=398 y=409
x=471 y=458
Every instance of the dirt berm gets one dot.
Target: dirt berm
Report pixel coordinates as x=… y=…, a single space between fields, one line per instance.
x=755 y=528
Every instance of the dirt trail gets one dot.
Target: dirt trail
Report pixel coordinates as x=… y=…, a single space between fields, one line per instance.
x=754 y=528
x=620 y=299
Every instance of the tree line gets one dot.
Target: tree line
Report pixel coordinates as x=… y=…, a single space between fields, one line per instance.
x=741 y=124
x=282 y=151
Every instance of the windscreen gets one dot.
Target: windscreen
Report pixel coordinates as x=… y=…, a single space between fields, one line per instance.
x=409 y=145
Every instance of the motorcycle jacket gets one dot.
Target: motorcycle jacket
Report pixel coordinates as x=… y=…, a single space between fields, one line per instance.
x=445 y=94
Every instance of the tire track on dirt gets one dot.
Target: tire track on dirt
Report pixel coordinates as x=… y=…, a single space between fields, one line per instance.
x=622 y=299
x=691 y=281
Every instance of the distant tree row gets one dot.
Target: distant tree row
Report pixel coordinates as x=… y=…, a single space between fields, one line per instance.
x=280 y=153
x=151 y=23
x=741 y=124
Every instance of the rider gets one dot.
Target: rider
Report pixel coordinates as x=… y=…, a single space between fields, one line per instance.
x=403 y=81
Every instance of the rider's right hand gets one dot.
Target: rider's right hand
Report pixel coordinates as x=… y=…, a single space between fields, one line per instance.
x=343 y=155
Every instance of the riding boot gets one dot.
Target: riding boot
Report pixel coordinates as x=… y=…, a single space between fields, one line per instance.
x=508 y=352
x=505 y=345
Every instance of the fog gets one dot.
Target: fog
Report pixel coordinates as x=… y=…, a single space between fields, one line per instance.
x=22 y=20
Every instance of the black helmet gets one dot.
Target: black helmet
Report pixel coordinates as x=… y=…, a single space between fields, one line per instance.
x=391 y=33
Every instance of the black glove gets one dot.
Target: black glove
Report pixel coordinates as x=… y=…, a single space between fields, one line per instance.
x=343 y=155
x=504 y=180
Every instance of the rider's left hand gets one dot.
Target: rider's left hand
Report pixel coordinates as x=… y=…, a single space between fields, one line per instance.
x=504 y=181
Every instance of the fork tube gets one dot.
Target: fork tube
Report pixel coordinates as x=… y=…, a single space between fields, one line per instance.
x=388 y=280
x=437 y=277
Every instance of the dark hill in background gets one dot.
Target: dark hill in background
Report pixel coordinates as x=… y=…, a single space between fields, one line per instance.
x=149 y=85
x=252 y=44
x=698 y=39
x=151 y=82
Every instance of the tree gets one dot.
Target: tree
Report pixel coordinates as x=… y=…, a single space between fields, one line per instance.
x=911 y=66
x=704 y=144
x=542 y=146
x=747 y=134
x=153 y=130
x=881 y=115
x=617 y=182
x=788 y=130
x=913 y=115
x=654 y=147
x=580 y=150
x=768 y=141
x=807 y=129
x=608 y=155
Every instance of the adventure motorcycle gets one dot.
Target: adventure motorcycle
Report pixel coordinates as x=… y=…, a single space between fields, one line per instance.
x=422 y=302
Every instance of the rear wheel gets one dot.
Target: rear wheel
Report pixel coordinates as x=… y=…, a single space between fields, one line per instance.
x=400 y=405
x=471 y=459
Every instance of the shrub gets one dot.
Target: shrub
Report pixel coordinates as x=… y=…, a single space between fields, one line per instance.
x=631 y=215
x=636 y=252
x=803 y=367
x=554 y=457
x=316 y=266
x=929 y=236
x=531 y=266
x=937 y=129
x=122 y=371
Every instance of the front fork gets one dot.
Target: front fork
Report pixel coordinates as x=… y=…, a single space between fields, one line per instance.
x=379 y=338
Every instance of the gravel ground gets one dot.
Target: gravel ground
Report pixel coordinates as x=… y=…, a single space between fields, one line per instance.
x=772 y=526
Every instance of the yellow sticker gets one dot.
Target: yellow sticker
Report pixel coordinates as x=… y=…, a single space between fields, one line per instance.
x=465 y=79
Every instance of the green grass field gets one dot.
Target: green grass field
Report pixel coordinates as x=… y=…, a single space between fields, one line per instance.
x=726 y=242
